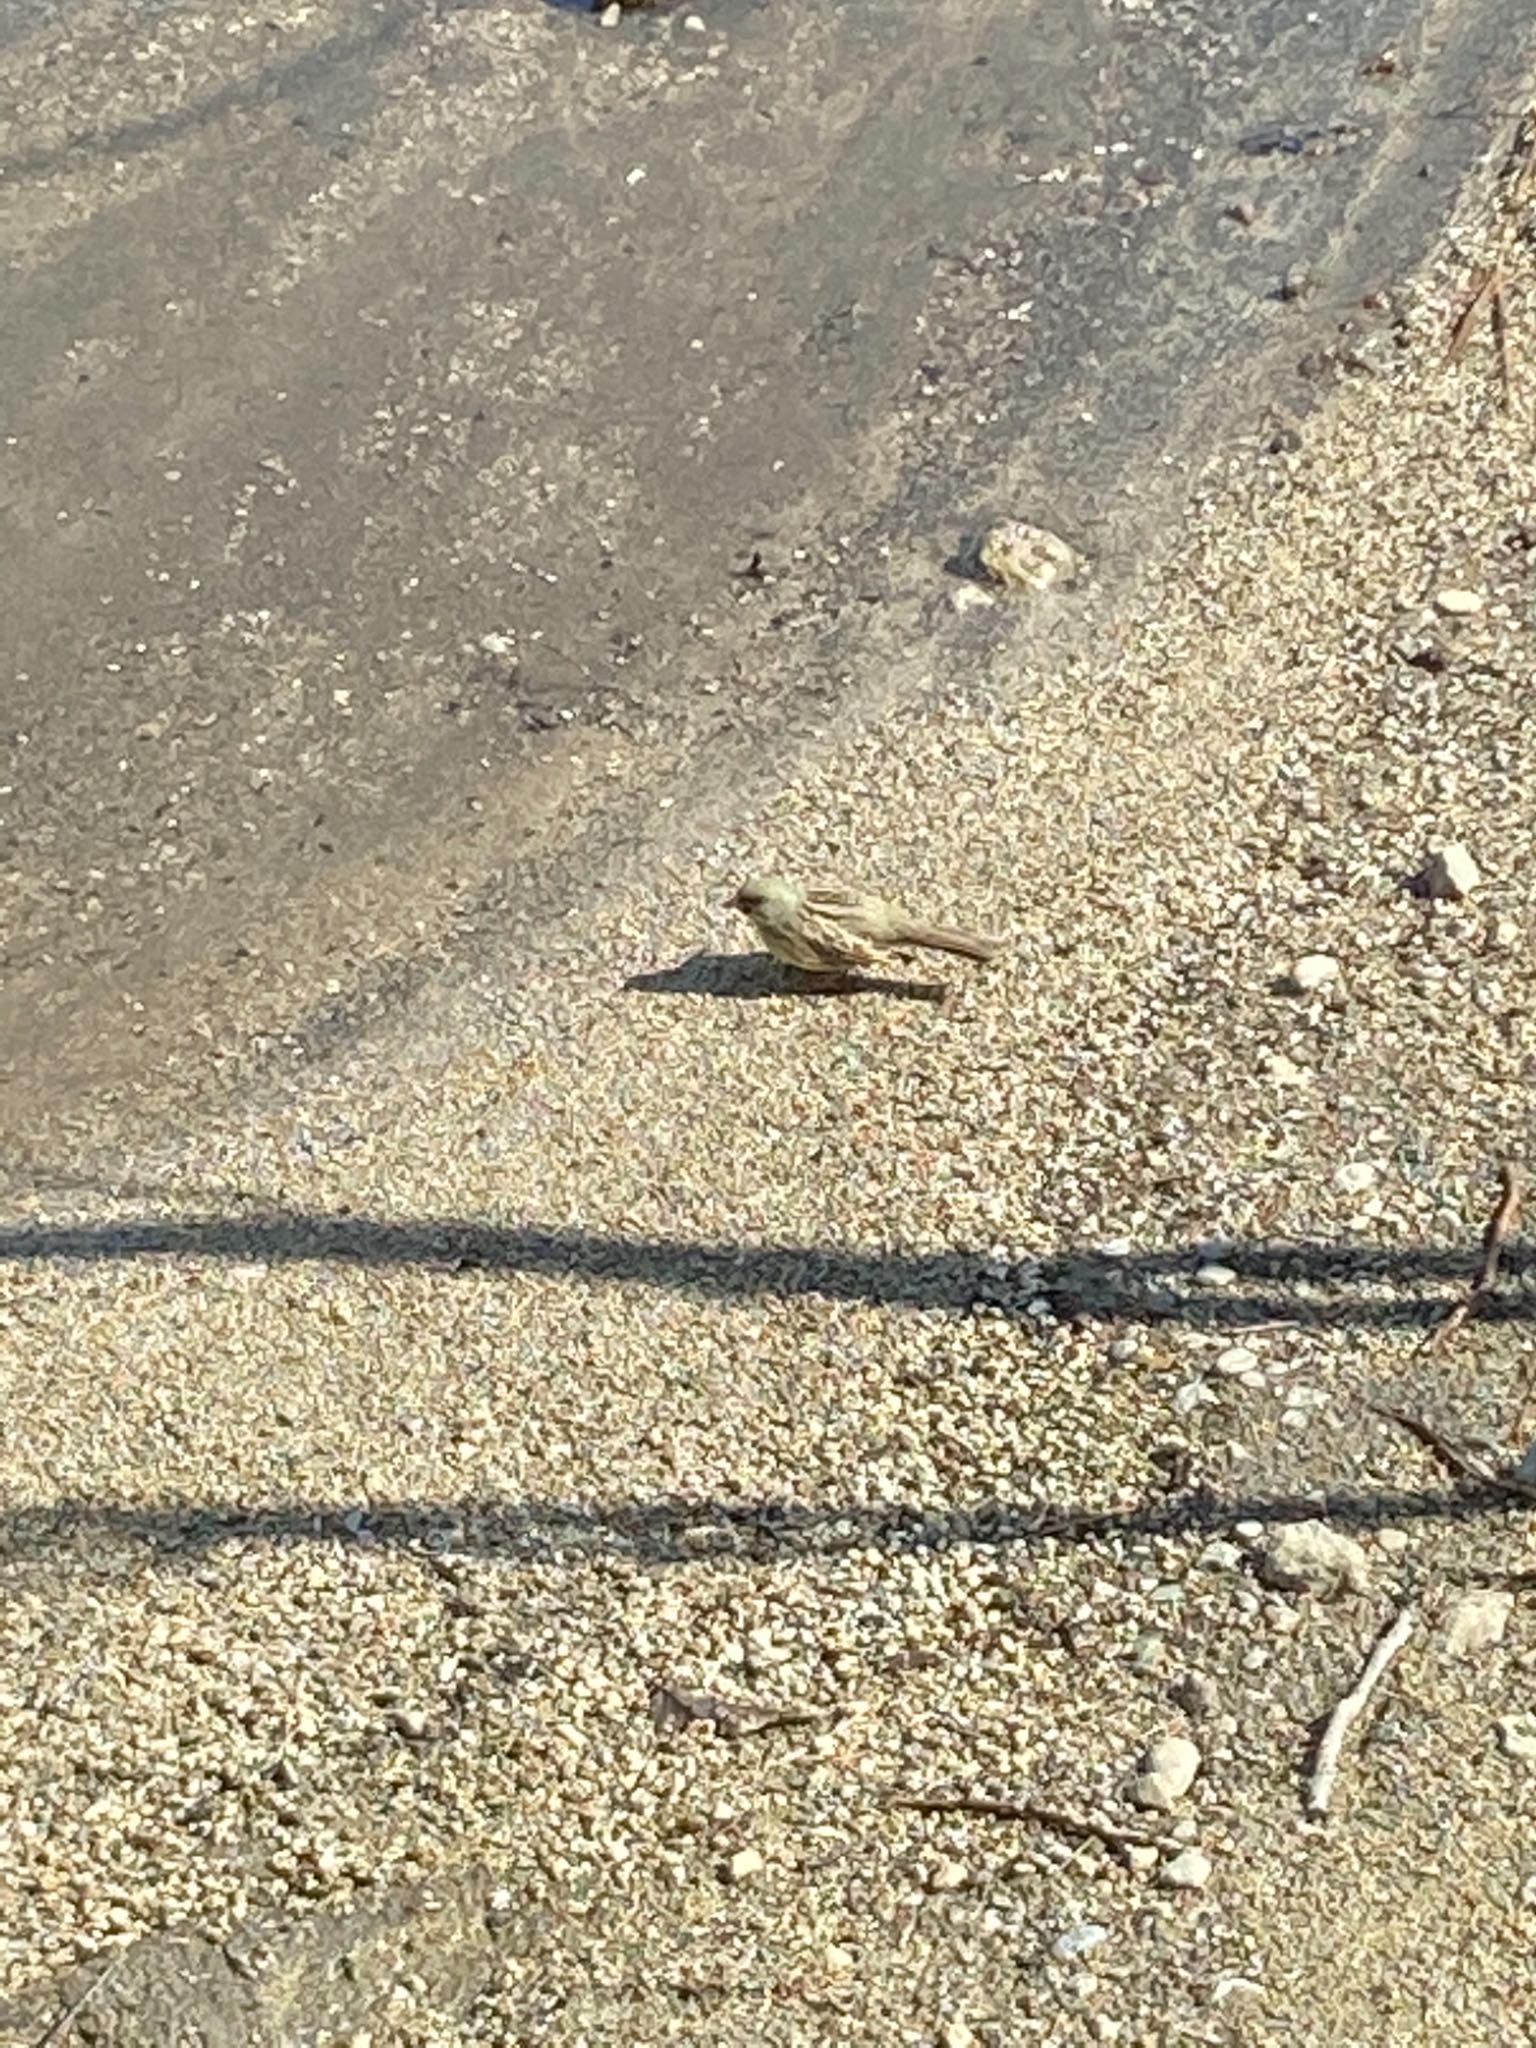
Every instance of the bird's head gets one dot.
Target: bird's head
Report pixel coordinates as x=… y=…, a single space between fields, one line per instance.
x=750 y=897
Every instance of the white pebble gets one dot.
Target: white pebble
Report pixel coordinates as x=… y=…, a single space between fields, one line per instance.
x=1190 y=1871
x=1458 y=604
x=1235 y=1361
x=1517 y=1736
x=1168 y=1770
x=1450 y=873
x=1355 y=1176
x=744 y=1864
x=1314 y=971
x=1214 y=1275
x=1025 y=557
x=1477 y=1622
x=1309 y=1557
x=1284 y=1071
x=1081 y=1940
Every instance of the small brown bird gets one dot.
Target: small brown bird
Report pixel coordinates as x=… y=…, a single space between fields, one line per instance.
x=824 y=928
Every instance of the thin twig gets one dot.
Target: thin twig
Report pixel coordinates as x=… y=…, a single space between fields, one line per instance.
x=1499 y=316
x=1500 y=1223
x=1457 y=1461
x=1325 y=1768
x=1503 y=1220
x=59 y=2025
x=1077 y=1827
x=1451 y=1456
x=1490 y=282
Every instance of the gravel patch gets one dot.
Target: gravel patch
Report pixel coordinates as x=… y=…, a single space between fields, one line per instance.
x=878 y=1358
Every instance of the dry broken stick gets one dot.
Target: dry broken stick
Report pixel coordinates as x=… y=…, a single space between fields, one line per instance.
x=1457 y=1460
x=1076 y=1827
x=1500 y=1224
x=1487 y=297
x=1325 y=1767
x=1490 y=279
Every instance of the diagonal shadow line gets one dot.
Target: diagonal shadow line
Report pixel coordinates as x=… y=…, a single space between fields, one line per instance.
x=683 y=1531
x=1150 y=1286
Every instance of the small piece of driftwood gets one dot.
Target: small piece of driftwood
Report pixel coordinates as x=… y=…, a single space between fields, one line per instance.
x=1325 y=1765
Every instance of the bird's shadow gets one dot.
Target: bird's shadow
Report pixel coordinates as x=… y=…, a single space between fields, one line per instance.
x=744 y=977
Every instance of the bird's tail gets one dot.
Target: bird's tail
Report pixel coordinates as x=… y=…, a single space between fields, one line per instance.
x=939 y=938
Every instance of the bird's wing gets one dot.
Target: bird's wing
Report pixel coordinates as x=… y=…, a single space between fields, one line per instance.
x=830 y=915
x=833 y=899
x=838 y=946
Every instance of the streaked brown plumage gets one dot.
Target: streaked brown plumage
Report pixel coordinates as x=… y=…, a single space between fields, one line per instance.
x=825 y=928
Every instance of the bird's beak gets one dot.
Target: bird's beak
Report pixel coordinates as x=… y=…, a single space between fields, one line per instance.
x=733 y=902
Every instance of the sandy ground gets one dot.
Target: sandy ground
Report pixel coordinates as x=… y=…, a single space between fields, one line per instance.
x=395 y=393
x=948 y=1373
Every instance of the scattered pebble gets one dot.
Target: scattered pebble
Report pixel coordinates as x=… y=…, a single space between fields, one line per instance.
x=1025 y=557
x=1517 y=1736
x=1392 y=1542
x=1450 y=874
x=954 y=2033
x=1189 y=1871
x=1298 y=281
x=1477 y=1621
x=1235 y=1361
x=1458 y=604
x=1197 y=1693
x=1215 y=1275
x=1081 y=1940
x=744 y=1864
x=1314 y=971
x=1283 y=1070
x=1168 y=1769
x=1355 y=1177
x=1234 y=1990
x=1309 y=1557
